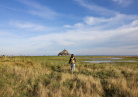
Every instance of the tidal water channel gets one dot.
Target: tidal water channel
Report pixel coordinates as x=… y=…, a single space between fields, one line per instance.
x=108 y=60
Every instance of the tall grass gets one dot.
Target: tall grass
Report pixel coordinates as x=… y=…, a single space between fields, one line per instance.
x=51 y=77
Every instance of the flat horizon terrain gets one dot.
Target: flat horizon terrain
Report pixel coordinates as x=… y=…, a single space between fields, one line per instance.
x=51 y=76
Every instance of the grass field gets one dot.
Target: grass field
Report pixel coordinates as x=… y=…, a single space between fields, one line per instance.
x=50 y=76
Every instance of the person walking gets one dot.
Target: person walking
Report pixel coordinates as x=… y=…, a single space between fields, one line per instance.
x=72 y=61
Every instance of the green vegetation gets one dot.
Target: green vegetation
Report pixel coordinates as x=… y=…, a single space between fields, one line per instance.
x=50 y=76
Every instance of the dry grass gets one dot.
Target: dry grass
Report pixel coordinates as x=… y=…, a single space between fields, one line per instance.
x=51 y=77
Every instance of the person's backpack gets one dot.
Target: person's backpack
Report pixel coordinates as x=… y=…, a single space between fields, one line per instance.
x=72 y=60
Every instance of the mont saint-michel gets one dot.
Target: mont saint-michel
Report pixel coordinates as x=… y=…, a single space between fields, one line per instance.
x=64 y=53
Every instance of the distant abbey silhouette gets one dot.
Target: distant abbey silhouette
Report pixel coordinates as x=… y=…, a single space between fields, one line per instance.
x=64 y=53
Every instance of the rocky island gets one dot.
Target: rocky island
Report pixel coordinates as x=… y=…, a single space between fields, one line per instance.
x=64 y=53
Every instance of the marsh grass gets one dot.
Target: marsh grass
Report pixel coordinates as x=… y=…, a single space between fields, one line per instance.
x=51 y=77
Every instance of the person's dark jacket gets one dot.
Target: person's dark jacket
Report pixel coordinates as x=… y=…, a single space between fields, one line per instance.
x=70 y=60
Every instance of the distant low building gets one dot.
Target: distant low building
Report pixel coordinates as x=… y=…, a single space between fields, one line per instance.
x=64 y=53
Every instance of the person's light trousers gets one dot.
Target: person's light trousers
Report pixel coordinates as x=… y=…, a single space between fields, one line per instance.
x=72 y=67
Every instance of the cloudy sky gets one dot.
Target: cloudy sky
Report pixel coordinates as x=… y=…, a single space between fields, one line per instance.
x=83 y=27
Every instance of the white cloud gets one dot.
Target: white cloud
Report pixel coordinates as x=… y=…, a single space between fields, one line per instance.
x=14 y=9
x=110 y=23
x=94 y=20
x=36 y=9
x=104 y=33
x=115 y=39
x=74 y=26
x=31 y=26
x=67 y=26
x=124 y=2
x=135 y=23
x=97 y=9
x=6 y=34
x=78 y=25
x=89 y=36
x=106 y=51
x=39 y=10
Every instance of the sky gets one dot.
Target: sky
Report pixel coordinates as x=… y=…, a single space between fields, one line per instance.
x=83 y=27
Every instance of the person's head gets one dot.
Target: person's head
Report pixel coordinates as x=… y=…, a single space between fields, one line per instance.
x=72 y=55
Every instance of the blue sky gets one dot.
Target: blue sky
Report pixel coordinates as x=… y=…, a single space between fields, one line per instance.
x=83 y=27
